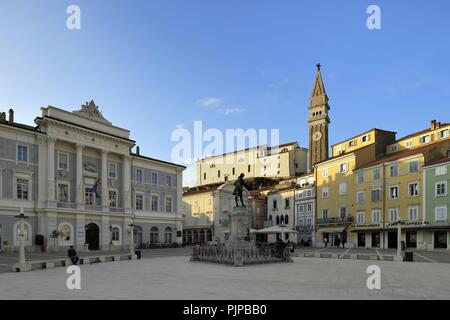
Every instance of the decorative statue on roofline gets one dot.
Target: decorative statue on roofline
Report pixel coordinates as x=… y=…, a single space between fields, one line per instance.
x=239 y=186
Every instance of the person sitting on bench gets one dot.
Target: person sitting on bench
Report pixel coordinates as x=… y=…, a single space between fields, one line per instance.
x=73 y=255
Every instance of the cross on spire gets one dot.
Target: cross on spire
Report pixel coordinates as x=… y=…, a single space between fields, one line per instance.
x=318 y=66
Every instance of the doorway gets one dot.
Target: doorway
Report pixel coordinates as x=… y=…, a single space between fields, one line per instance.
x=440 y=240
x=361 y=240
x=392 y=239
x=137 y=235
x=411 y=239
x=92 y=236
x=375 y=239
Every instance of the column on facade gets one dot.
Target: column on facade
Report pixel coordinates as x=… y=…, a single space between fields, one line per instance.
x=42 y=188
x=126 y=183
x=80 y=236
x=104 y=187
x=105 y=233
x=79 y=177
x=51 y=169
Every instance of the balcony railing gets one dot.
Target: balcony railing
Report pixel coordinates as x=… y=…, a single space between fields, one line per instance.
x=335 y=220
x=116 y=210
x=65 y=205
x=93 y=207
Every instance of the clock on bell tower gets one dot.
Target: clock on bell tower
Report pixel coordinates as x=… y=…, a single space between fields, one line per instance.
x=318 y=121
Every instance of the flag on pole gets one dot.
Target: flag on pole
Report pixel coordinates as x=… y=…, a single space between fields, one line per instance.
x=95 y=187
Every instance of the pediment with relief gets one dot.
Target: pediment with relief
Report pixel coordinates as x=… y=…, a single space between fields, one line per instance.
x=90 y=110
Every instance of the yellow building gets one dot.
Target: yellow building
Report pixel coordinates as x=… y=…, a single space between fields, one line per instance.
x=284 y=161
x=336 y=188
x=390 y=189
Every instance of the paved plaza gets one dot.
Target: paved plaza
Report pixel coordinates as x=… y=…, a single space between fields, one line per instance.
x=174 y=277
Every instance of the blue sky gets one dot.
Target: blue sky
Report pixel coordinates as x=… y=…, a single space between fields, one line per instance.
x=149 y=64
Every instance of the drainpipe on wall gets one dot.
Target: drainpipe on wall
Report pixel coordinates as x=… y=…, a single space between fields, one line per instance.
x=383 y=205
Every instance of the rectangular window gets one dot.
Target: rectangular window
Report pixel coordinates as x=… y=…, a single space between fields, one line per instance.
x=169 y=181
x=376 y=174
x=443 y=133
x=168 y=204
x=351 y=143
x=63 y=192
x=441 y=189
x=360 y=217
x=22 y=189
x=413 y=189
x=360 y=177
x=22 y=153
x=139 y=175
x=394 y=148
x=204 y=176
x=376 y=195
x=286 y=203
x=309 y=207
x=63 y=161
x=218 y=173
x=112 y=198
x=343 y=167
x=343 y=212
x=393 y=170
x=325 y=192
x=249 y=167
x=325 y=173
x=299 y=208
x=89 y=197
x=393 y=214
x=360 y=197
x=409 y=144
x=155 y=178
x=413 y=213
x=440 y=213
x=413 y=166
x=343 y=188
x=393 y=192
x=139 y=202
x=375 y=216
x=112 y=171
x=274 y=204
x=325 y=213
x=365 y=138
x=154 y=203
x=425 y=139
x=441 y=170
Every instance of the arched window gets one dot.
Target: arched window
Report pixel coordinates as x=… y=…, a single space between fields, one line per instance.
x=195 y=236
x=189 y=237
x=168 y=235
x=282 y=219
x=208 y=235
x=286 y=219
x=137 y=234
x=154 y=235
x=270 y=217
x=278 y=219
x=115 y=234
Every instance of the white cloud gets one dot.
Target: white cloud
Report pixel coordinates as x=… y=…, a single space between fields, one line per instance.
x=228 y=111
x=209 y=102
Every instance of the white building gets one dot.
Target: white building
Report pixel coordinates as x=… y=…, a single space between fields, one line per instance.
x=50 y=171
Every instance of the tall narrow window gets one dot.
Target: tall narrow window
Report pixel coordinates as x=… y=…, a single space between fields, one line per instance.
x=113 y=198
x=63 y=192
x=168 y=204
x=154 y=203
x=22 y=189
x=112 y=171
x=88 y=196
x=22 y=153
x=139 y=175
x=63 y=161
x=139 y=202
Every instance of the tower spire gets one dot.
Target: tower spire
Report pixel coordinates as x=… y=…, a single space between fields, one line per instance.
x=319 y=88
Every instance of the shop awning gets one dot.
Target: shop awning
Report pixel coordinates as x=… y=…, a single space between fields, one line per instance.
x=273 y=230
x=332 y=230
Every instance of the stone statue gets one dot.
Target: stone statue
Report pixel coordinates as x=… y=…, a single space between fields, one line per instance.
x=239 y=186
x=91 y=110
x=89 y=167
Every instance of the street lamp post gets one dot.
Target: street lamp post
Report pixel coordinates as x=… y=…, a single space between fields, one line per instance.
x=22 y=265
x=399 y=239
x=131 y=225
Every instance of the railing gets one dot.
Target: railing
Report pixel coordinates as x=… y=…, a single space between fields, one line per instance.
x=116 y=210
x=65 y=205
x=335 y=220
x=93 y=207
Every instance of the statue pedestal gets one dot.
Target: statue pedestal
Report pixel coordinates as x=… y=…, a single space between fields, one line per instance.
x=238 y=229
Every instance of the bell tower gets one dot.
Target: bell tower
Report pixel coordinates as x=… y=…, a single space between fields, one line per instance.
x=318 y=121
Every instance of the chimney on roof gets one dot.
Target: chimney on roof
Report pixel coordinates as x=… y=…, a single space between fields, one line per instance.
x=138 y=150
x=11 y=116
x=433 y=124
x=2 y=117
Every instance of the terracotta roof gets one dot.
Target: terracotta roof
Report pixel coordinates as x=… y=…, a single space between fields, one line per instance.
x=421 y=132
x=343 y=154
x=443 y=160
x=22 y=126
x=402 y=154
x=376 y=129
x=157 y=160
